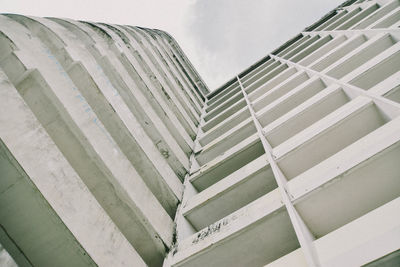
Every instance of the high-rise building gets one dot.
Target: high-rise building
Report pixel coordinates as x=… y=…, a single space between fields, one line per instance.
x=114 y=152
x=97 y=126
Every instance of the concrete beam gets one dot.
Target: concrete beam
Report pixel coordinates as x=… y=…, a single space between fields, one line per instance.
x=45 y=207
x=261 y=226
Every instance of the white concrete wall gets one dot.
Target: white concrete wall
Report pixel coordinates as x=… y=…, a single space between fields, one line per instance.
x=114 y=153
x=315 y=123
x=119 y=107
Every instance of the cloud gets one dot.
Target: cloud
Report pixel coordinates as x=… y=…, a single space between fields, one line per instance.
x=220 y=37
x=229 y=35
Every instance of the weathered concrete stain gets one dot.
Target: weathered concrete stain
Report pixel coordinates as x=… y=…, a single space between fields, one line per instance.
x=211 y=229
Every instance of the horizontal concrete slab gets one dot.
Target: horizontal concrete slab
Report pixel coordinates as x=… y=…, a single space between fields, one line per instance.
x=46 y=208
x=261 y=226
x=231 y=193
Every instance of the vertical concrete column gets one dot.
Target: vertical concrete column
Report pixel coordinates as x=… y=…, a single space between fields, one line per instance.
x=302 y=232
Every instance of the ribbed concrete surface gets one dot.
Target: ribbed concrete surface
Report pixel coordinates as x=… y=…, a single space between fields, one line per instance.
x=97 y=124
x=106 y=129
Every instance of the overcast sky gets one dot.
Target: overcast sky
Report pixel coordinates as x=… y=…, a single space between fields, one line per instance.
x=220 y=37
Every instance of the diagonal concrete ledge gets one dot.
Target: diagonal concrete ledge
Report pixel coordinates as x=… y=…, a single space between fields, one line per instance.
x=57 y=214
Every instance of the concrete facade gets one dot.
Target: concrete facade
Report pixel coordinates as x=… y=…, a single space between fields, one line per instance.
x=297 y=157
x=114 y=153
x=97 y=128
